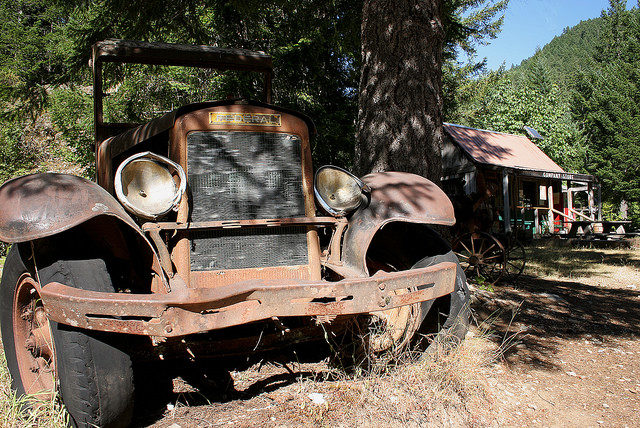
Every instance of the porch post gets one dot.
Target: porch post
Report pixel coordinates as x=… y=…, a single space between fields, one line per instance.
x=570 y=201
x=590 y=200
x=599 y=202
x=505 y=199
x=550 y=202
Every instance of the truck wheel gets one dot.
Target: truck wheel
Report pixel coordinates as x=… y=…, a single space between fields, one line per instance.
x=94 y=378
x=443 y=320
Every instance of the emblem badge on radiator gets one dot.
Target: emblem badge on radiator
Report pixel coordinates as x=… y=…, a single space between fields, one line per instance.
x=245 y=119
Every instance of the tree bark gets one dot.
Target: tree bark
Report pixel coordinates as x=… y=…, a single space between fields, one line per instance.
x=400 y=104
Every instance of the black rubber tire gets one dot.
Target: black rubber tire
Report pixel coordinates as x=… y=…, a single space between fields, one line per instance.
x=446 y=320
x=95 y=378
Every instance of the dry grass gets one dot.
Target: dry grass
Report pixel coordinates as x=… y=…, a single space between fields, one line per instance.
x=27 y=411
x=446 y=391
x=561 y=262
x=450 y=390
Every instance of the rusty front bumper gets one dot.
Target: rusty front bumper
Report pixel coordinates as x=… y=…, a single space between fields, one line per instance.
x=195 y=310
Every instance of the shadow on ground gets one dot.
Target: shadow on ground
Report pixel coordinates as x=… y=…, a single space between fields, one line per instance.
x=205 y=384
x=529 y=321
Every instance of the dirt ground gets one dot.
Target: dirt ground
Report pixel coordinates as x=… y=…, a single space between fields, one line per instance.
x=558 y=348
x=575 y=358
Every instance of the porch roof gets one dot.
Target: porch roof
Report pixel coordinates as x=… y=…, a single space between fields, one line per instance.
x=511 y=151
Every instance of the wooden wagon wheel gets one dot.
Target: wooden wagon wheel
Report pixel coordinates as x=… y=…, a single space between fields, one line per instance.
x=481 y=256
x=516 y=260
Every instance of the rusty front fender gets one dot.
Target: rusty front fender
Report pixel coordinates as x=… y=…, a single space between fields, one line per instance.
x=395 y=196
x=40 y=205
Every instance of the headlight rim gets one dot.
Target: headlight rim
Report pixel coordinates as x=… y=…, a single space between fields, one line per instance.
x=162 y=161
x=364 y=188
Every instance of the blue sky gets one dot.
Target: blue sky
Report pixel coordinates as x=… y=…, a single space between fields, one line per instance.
x=529 y=24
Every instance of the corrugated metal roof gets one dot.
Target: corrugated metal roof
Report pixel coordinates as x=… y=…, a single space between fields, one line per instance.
x=499 y=149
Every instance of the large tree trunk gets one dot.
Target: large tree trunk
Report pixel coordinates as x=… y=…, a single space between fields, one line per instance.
x=400 y=104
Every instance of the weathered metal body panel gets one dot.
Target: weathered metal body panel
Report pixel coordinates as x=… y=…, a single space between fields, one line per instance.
x=187 y=311
x=40 y=205
x=109 y=148
x=201 y=121
x=395 y=196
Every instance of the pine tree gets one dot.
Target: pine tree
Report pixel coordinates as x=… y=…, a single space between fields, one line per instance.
x=608 y=105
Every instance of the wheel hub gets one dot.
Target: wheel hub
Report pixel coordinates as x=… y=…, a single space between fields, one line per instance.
x=390 y=329
x=34 y=342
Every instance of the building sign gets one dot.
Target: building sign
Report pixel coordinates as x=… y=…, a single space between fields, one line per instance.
x=556 y=175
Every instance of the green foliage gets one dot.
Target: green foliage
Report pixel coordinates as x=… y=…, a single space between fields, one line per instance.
x=468 y=24
x=633 y=214
x=71 y=111
x=18 y=153
x=29 y=57
x=567 y=54
x=501 y=104
x=611 y=211
x=607 y=105
x=45 y=81
x=30 y=63
x=315 y=47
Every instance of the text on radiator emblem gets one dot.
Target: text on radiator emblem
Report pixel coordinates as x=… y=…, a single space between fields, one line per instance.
x=245 y=119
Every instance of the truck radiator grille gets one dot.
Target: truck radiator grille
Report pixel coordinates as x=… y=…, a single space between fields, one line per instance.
x=245 y=175
x=248 y=248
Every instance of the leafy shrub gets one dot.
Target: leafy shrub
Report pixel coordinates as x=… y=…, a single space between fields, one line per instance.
x=19 y=153
x=71 y=111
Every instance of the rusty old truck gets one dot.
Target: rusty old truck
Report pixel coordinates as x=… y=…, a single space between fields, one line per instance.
x=207 y=233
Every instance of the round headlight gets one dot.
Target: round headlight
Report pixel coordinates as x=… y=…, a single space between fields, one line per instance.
x=338 y=191
x=149 y=185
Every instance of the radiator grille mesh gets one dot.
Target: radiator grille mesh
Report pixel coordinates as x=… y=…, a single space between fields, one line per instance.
x=248 y=248
x=245 y=175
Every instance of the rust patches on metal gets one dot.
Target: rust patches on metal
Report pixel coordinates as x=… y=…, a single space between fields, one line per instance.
x=188 y=310
x=395 y=196
x=218 y=278
x=292 y=123
x=34 y=348
x=335 y=245
x=126 y=51
x=39 y=205
x=234 y=224
x=400 y=195
x=163 y=252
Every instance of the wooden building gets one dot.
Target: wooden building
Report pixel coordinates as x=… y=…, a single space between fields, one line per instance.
x=500 y=181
